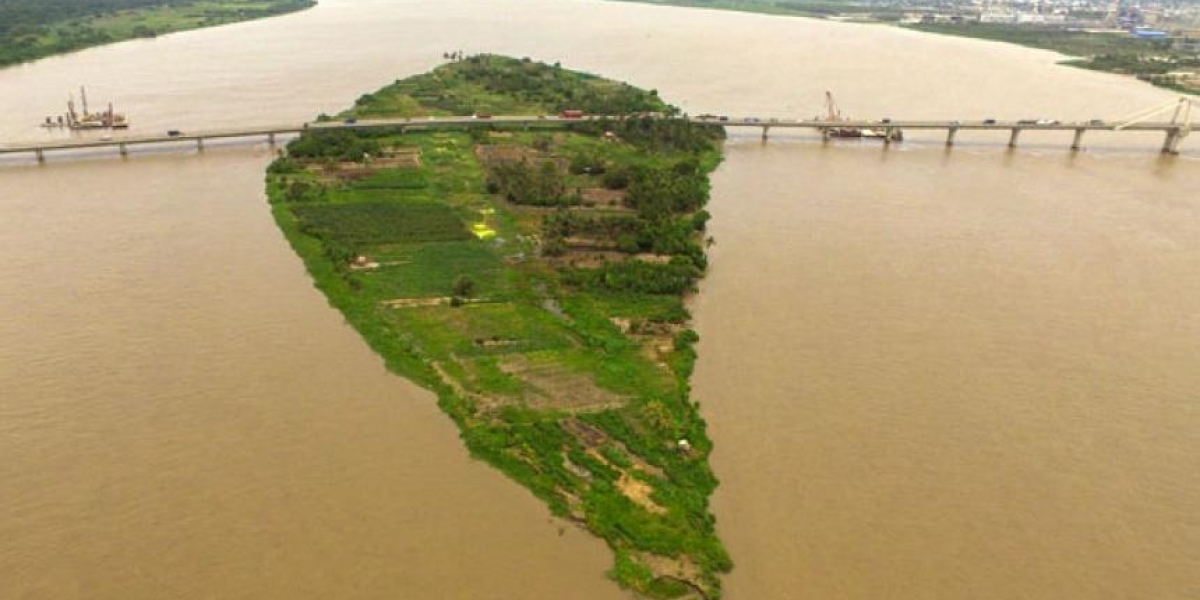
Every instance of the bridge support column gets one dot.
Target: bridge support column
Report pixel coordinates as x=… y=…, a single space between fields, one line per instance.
x=1012 y=139
x=1077 y=143
x=1171 y=144
x=950 y=134
x=123 y=149
x=765 y=130
x=887 y=136
x=271 y=139
x=200 y=144
x=41 y=155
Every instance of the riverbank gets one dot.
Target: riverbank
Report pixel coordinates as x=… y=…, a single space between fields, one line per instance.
x=1150 y=60
x=31 y=29
x=534 y=279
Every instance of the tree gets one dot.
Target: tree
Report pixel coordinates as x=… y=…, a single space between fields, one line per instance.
x=463 y=287
x=550 y=184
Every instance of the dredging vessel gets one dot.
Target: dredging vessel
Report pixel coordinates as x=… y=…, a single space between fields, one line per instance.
x=86 y=120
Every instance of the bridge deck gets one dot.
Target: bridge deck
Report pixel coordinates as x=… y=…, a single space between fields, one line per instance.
x=124 y=141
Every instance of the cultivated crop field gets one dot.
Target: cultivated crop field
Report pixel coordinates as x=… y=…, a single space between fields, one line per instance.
x=363 y=223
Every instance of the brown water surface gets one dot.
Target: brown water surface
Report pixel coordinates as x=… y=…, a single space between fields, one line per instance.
x=929 y=374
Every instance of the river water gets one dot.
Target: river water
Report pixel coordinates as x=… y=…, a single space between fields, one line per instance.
x=929 y=374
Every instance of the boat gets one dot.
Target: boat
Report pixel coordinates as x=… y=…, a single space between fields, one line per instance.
x=834 y=115
x=85 y=119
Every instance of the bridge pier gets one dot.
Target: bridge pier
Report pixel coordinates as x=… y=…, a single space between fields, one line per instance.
x=766 y=128
x=1012 y=139
x=1171 y=144
x=124 y=150
x=271 y=139
x=887 y=136
x=200 y=144
x=1077 y=143
x=41 y=155
x=950 y=134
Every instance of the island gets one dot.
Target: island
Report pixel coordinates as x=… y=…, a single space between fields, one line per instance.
x=534 y=277
x=33 y=29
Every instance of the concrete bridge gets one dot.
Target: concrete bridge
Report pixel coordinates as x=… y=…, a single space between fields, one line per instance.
x=1173 y=132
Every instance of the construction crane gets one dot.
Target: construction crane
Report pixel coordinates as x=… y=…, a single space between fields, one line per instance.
x=832 y=113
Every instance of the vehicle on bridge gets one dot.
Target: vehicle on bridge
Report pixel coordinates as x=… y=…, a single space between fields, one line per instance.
x=571 y=114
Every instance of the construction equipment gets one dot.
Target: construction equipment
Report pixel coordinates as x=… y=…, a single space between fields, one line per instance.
x=85 y=120
x=833 y=114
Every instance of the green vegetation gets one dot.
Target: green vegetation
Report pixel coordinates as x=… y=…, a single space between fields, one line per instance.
x=534 y=279
x=1071 y=43
x=477 y=86
x=32 y=29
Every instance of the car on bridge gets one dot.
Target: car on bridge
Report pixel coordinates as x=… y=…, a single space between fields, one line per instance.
x=989 y=121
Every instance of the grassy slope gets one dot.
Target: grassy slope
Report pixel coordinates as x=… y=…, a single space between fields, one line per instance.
x=61 y=36
x=541 y=380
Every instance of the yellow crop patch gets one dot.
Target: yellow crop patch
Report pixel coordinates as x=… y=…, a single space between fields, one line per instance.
x=482 y=231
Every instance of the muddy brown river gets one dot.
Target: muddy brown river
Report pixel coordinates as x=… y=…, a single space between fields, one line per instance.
x=929 y=374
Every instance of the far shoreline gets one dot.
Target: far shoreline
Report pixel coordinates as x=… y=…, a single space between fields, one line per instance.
x=94 y=31
x=999 y=34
